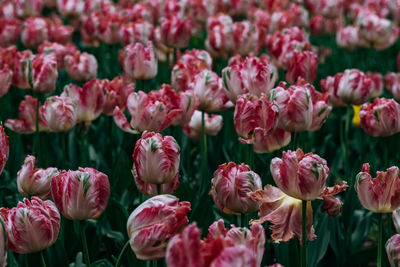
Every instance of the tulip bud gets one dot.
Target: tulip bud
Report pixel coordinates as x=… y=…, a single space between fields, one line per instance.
x=139 y=62
x=81 y=194
x=60 y=113
x=393 y=250
x=34 y=32
x=302 y=176
x=116 y=92
x=380 y=194
x=32 y=226
x=381 y=117
x=44 y=73
x=90 y=99
x=212 y=125
x=304 y=65
x=156 y=158
x=28 y=8
x=9 y=32
x=4 y=148
x=34 y=182
x=230 y=186
x=153 y=223
x=81 y=66
x=175 y=32
x=5 y=80
x=332 y=206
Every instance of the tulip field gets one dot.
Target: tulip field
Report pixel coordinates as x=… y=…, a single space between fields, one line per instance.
x=199 y=133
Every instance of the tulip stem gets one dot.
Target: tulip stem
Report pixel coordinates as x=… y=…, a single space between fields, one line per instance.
x=26 y=260
x=294 y=144
x=380 y=237
x=122 y=253
x=203 y=154
x=250 y=156
x=158 y=189
x=36 y=144
x=304 y=233
x=346 y=144
x=84 y=243
x=42 y=261
x=242 y=220
x=155 y=263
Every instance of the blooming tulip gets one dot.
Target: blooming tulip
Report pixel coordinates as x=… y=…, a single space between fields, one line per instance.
x=32 y=226
x=81 y=194
x=219 y=40
x=60 y=113
x=266 y=144
x=321 y=108
x=230 y=186
x=299 y=175
x=175 y=32
x=136 y=32
x=380 y=194
x=156 y=158
x=392 y=83
x=393 y=250
x=116 y=92
x=34 y=182
x=57 y=50
x=70 y=7
x=139 y=62
x=378 y=82
x=212 y=125
x=9 y=31
x=27 y=8
x=21 y=69
x=44 y=73
x=247 y=38
x=81 y=66
x=349 y=37
x=154 y=222
x=304 y=65
x=4 y=148
x=34 y=32
x=149 y=189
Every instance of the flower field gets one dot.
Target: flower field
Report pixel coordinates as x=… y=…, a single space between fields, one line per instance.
x=204 y=133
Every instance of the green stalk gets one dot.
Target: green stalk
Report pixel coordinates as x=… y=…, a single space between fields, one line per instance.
x=380 y=240
x=36 y=145
x=84 y=243
x=304 y=233
x=26 y=260
x=346 y=143
x=294 y=141
x=42 y=261
x=125 y=247
x=250 y=156
x=159 y=189
x=203 y=154
x=155 y=263
x=243 y=220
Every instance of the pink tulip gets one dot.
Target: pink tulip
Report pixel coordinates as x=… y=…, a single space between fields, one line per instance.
x=32 y=226
x=381 y=117
x=44 y=73
x=304 y=65
x=299 y=175
x=380 y=194
x=109 y=28
x=21 y=62
x=153 y=223
x=139 y=62
x=34 y=32
x=377 y=80
x=81 y=66
x=248 y=38
x=219 y=42
x=5 y=80
x=393 y=250
x=81 y=194
x=396 y=219
x=349 y=37
x=136 y=32
x=4 y=148
x=28 y=8
x=116 y=92
x=266 y=144
x=295 y=106
x=212 y=125
x=326 y=8
x=149 y=189
x=60 y=33
x=60 y=113
x=152 y=112
x=9 y=31
x=230 y=186
x=70 y=7
x=57 y=50
x=34 y=182
x=90 y=99
x=320 y=25
x=188 y=103
x=175 y=32
x=293 y=15
x=27 y=118
x=156 y=158
x=321 y=108
x=392 y=83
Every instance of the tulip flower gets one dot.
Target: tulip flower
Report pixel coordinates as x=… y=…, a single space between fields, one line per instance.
x=156 y=158
x=304 y=65
x=4 y=148
x=230 y=186
x=381 y=117
x=57 y=50
x=28 y=8
x=393 y=250
x=32 y=226
x=396 y=220
x=9 y=31
x=299 y=175
x=60 y=113
x=247 y=38
x=392 y=83
x=321 y=108
x=349 y=37
x=116 y=92
x=70 y=7
x=5 y=80
x=34 y=182
x=26 y=123
x=136 y=32
x=81 y=194
x=378 y=82
x=266 y=144
x=295 y=106
x=219 y=42
x=175 y=32
x=61 y=33
x=380 y=194
x=3 y=244
x=151 y=112
x=212 y=125
x=34 y=32
x=109 y=28
x=139 y=62
x=90 y=99
x=81 y=66
x=149 y=189
x=153 y=223
x=21 y=69
x=44 y=73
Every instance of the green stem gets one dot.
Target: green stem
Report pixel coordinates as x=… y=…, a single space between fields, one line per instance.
x=304 y=233
x=242 y=220
x=122 y=254
x=346 y=141
x=42 y=261
x=294 y=141
x=159 y=189
x=84 y=243
x=155 y=263
x=250 y=156
x=26 y=260
x=36 y=146
x=204 y=181
x=386 y=151
x=380 y=241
